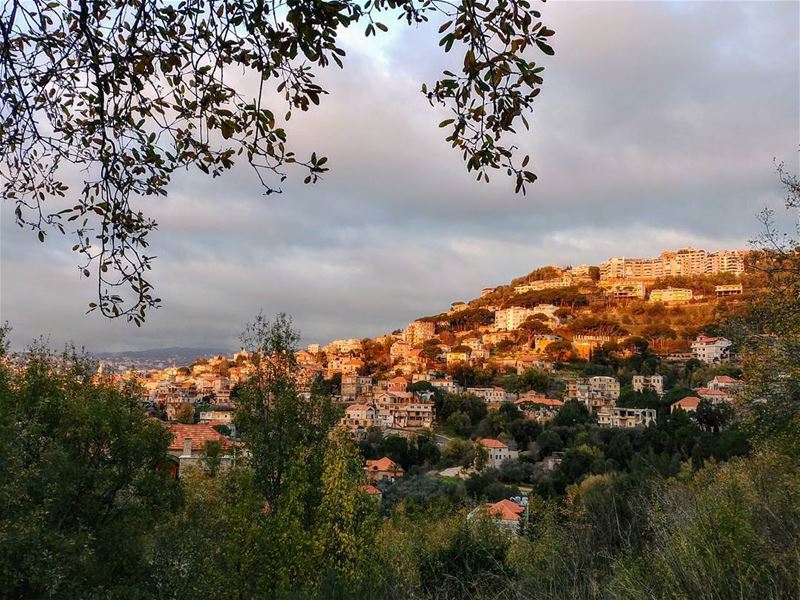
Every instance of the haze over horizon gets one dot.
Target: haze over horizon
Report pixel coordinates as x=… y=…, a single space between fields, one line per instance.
x=637 y=139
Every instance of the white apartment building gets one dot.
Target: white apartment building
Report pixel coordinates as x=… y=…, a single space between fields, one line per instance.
x=686 y=261
x=711 y=350
x=510 y=319
x=649 y=382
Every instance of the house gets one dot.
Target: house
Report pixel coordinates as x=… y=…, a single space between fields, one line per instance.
x=447 y=385
x=728 y=290
x=383 y=470
x=498 y=452
x=397 y=384
x=489 y=394
x=594 y=392
x=654 y=383
x=671 y=295
x=585 y=345
x=457 y=355
x=189 y=443
x=617 y=416
x=371 y=490
x=538 y=407
x=689 y=404
x=359 y=417
x=715 y=396
x=509 y=514
x=723 y=382
x=711 y=350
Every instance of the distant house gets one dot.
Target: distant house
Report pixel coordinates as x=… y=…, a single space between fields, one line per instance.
x=397 y=384
x=649 y=382
x=671 y=295
x=617 y=416
x=189 y=443
x=383 y=469
x=689 y=404
x=498 y=451
x=506 y=513
x=711 y=350
x=595 y=392
x=723 y=382
x=371 y=490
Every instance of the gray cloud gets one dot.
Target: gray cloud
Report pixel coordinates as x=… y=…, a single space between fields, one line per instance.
x=656 y=128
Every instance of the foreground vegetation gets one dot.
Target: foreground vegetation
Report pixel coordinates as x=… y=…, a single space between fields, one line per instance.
x=88 y=508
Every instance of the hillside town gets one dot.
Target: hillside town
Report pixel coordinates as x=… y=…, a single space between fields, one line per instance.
x=556 y=327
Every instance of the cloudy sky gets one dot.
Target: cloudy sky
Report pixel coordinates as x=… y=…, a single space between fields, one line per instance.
x=658 y=127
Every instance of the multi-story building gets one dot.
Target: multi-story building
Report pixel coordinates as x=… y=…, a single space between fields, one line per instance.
x=711 y=350
x=683 y=262
x=418 y=332
x=510 y=319
x=594 y=392
x=616 y=416
x=354 y=385
x=671 y=295
x=649 y=382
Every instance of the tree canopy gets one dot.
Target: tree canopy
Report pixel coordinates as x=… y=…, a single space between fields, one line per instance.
x=131 y=91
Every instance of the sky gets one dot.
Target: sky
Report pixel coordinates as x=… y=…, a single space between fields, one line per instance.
x=659 y=126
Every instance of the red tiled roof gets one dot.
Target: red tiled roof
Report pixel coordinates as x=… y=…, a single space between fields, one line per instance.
x=725 y=379
x=371 y=490
x=544 y=401
x=200 y=434
x=491 y=443
x=506 y=510
x=384 y=464
x=711 y=392
x=690 y=402
x=354 y=407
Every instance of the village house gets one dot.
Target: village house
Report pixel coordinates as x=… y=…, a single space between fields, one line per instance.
x=617 y=416
x=594 y=392
x=671 y=295
x=689 y=404
x=397 y=384
x=358 y=418
x=189 y=443
x=711 y=350
x=585 y=345
x=447 y=385
x=509 y=514
x=383 y=470
x=489 y=394
x=538 y=407
x=648 y=382
x=497 y=452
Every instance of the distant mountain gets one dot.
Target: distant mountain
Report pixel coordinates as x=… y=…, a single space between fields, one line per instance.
x=180 y=355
